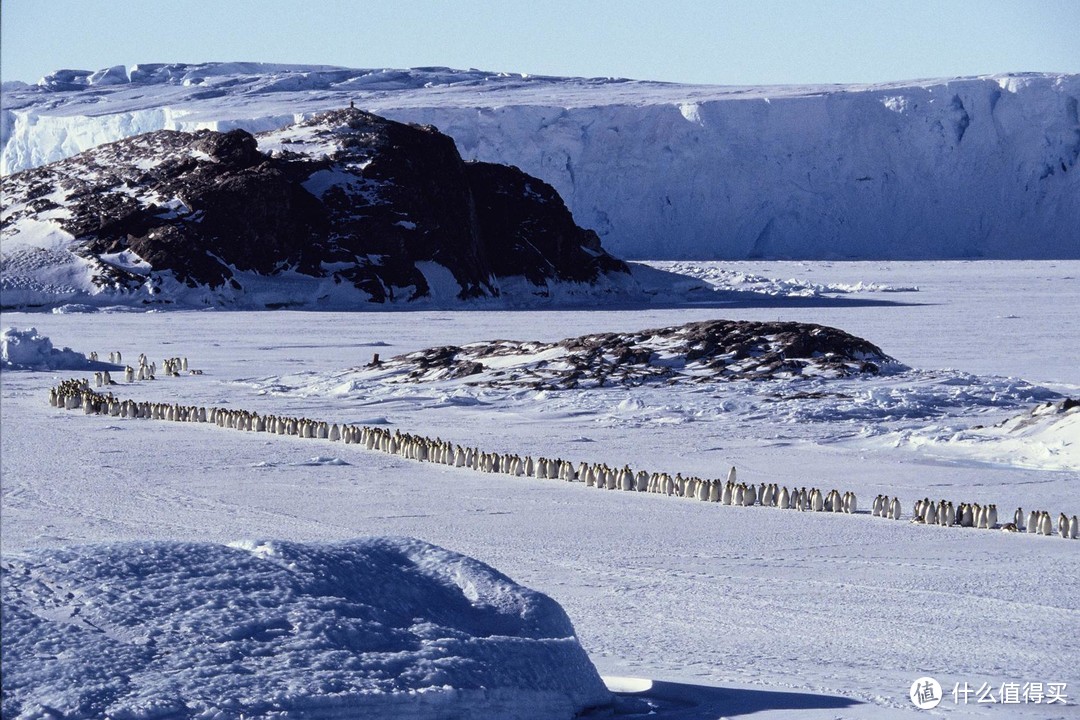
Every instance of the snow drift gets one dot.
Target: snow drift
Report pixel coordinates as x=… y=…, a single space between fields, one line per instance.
x=959 y=168
x=29 y=350
x=375 y=627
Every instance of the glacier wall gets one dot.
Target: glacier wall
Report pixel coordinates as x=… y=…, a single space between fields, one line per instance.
x=968 y=168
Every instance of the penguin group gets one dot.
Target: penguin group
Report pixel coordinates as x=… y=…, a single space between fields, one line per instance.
x=76 y=393
x=886 y=507
x=143 y=368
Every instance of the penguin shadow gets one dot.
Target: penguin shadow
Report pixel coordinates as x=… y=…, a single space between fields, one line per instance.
x=663 y=700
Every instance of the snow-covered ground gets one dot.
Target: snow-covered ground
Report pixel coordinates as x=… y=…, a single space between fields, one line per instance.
x=731 y=611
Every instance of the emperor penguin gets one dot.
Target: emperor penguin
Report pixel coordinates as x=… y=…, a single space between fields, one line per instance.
x=1063 y=525
x=738 y=496
x=1018 y=519
x=782 y=501
x=1046 y=525
x=1033 y=522
x=731 y=475
x=991 y=516
x=1074 y=528
x=749 y=496
x=896 y=510
x=726 y=495
x=850 y=503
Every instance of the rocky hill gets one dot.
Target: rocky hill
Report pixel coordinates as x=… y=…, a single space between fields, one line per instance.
x=342 y=208
x=709 y=351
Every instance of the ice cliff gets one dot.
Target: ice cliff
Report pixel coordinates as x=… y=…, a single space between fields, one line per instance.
x=968 y=167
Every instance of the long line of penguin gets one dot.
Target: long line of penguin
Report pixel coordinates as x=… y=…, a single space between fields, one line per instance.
x=77 y=393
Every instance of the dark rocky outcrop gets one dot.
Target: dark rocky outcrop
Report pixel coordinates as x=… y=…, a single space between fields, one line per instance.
x=346 y=195
x=709 y=351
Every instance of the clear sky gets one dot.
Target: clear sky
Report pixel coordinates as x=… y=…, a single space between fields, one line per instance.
x=703 y=41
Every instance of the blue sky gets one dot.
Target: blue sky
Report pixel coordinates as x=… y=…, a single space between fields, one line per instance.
x=717 y=41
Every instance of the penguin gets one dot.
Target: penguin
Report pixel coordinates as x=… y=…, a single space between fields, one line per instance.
x=896 y=510
x=1018 y=519
x=1074 y=528
x=1033 y=522
x=1063 y=525
x=991 y=516
x=1046 y=525
x=783 y=501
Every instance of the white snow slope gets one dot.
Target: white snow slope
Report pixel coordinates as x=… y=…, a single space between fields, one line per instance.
x=729 y=611
x=380 y=627
x=967 y=167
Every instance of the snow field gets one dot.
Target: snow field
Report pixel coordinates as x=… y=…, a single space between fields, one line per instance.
x=734 y=609
x=76 y=394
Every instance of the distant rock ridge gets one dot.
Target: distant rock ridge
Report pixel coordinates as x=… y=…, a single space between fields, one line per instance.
x=346 y=197
x=950 y=168
x=708 y=351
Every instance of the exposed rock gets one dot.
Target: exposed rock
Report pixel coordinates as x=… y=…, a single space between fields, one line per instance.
x=710 y=351
x=346 y=195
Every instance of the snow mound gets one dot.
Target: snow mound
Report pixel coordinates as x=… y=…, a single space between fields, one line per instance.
x=1047 y=437
x=375 y=627
x=27 y=350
